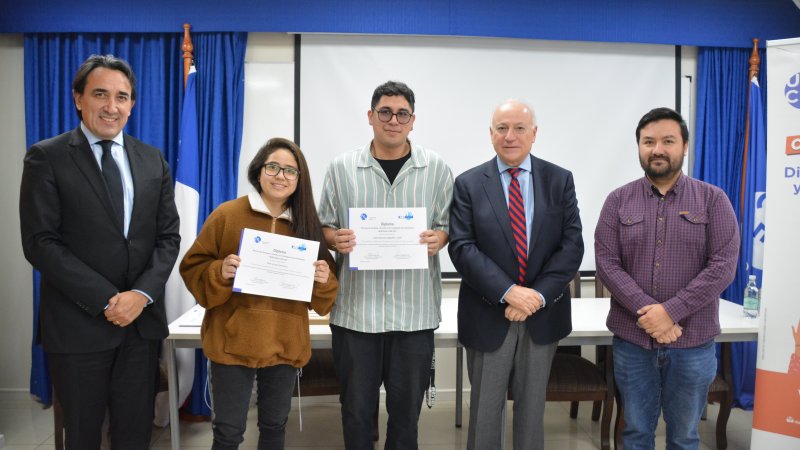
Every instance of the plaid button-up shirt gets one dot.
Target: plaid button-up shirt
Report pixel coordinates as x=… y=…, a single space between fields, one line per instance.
x=679 y=249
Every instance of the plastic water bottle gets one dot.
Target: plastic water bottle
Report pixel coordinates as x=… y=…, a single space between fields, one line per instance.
x=752 y=298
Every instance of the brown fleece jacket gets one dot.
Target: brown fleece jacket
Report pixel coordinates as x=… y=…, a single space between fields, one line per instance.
x=245 y=329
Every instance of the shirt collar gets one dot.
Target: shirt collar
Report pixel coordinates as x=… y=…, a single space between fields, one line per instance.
x=257 y=204
x=365 y=158
x=524 y=165
x=94 y=139
x=650 y=188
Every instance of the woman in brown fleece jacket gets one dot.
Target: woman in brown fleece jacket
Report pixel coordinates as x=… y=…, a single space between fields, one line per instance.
x=248 y=336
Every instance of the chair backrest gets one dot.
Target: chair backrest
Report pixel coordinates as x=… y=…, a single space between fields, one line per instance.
x=574 y=292
x=600 y=289
x=575 y=286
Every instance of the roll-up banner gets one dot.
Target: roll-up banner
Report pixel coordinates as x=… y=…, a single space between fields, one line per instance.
x=776 y=413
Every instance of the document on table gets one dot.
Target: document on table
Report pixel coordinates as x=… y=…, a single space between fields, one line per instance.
x=388 y=238
x=193 y=317
x=275 y=265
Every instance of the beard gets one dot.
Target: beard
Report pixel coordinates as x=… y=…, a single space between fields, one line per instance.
x=666 y=171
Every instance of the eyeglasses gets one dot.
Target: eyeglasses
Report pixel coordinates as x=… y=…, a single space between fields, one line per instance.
x=273 y=169
x=385 y=115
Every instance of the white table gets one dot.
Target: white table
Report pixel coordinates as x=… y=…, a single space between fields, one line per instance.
x=588 y=328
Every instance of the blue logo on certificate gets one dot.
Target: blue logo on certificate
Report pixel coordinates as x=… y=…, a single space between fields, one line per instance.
x=301 y=247
x=409 y=216
x=258 y=239
x=363 y=216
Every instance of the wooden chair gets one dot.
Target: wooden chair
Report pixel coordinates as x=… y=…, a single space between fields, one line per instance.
x=601 y=291
x=720 y=392
x=575 y=379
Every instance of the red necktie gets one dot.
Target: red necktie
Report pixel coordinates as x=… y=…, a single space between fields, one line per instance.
x=516 y=211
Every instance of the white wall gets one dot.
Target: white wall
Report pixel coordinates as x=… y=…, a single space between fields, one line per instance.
x=16 y=308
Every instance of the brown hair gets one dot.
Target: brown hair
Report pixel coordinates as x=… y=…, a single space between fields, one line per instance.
x=305 y=221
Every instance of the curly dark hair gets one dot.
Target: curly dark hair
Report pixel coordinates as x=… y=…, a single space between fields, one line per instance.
x=392 y=88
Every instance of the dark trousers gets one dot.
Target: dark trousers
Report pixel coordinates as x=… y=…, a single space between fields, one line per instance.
x=231 y=387
x=399 y=360
x=121 y=380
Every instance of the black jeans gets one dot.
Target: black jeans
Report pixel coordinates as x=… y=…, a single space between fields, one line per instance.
x=399 y=360
x=231 y=387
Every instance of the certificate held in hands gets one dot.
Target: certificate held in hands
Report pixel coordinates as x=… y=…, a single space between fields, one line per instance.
x=388 y=238
x=275 y=265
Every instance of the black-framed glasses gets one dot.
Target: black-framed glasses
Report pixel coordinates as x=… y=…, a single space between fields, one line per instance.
x=385 y=115
x=273 y=169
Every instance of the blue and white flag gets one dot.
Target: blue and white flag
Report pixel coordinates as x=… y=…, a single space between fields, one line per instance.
x=178 y=300
x=755 y=187
x=751 y=256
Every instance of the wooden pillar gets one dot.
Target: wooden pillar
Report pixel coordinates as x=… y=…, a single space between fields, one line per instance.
x=187 y=49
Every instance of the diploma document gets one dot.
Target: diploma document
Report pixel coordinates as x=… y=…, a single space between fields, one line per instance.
x=388 y=238
x=275 y=265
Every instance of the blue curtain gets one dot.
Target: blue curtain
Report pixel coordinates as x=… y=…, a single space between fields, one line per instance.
x=722 y=91
x=219 y=59
x=50 y=64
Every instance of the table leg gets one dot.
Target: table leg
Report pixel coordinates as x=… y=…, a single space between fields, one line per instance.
x=172 y=388
x=459 y=382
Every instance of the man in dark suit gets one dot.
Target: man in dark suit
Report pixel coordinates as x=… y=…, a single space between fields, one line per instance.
x=515 y=238
x=98 y=220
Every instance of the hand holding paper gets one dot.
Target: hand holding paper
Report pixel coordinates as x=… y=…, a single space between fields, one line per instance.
x=389 y=238
x=229 y=265
x=344 y=240
x=276 y=266
x=321 y=271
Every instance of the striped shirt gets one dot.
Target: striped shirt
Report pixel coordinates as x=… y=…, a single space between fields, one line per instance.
x=679 y=250
x=379 y=301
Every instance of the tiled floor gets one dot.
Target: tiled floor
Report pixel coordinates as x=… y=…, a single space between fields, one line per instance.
x=27 y=426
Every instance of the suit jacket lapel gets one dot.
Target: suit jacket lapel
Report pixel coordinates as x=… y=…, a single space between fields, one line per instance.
x=84 y=159
x=493 y=187
x=539 y=202
x=136 y=164
x=139 y=168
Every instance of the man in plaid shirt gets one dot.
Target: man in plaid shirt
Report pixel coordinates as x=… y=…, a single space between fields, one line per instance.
x=666 y=246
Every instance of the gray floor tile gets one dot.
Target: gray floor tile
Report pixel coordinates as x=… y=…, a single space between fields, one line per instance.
x=27 y=426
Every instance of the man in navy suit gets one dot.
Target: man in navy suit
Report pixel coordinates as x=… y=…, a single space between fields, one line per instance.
x=515 y=238
x=98 y=220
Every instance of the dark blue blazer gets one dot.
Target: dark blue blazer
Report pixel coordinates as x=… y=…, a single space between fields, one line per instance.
x=482 y=250
x=72 y=236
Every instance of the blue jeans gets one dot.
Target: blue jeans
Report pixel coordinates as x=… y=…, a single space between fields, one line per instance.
x=674 y=380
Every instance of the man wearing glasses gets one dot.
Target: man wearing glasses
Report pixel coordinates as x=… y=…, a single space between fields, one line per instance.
x=383 y=320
